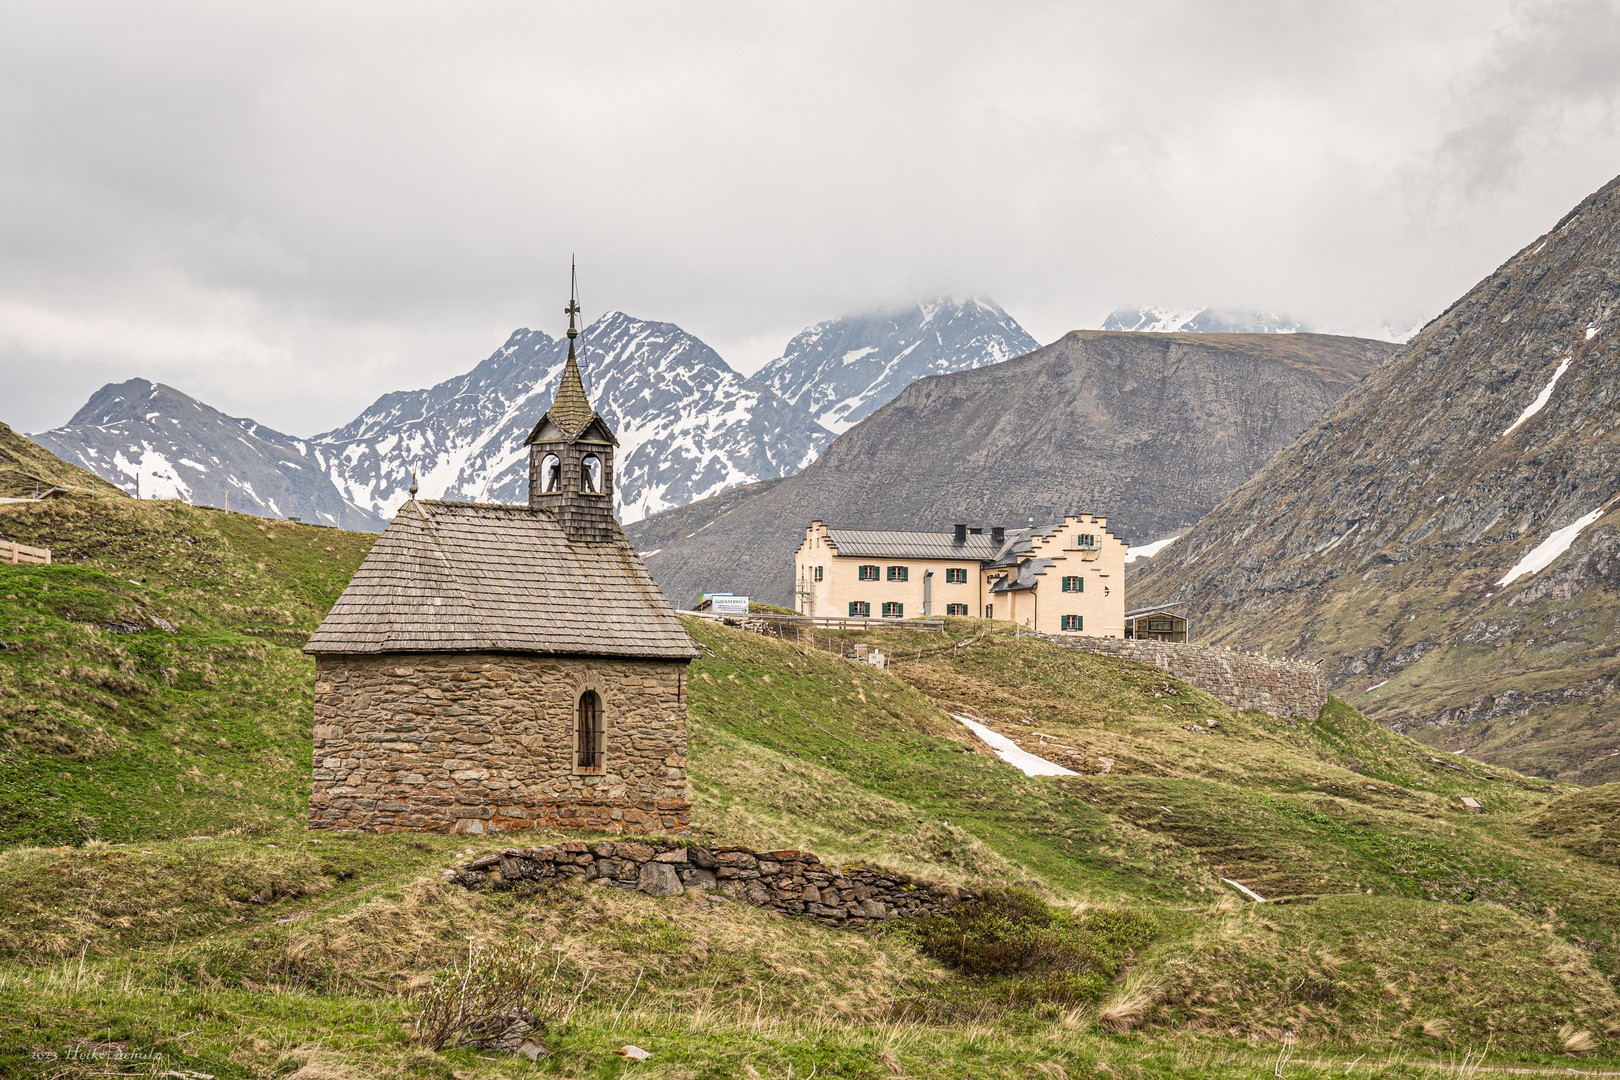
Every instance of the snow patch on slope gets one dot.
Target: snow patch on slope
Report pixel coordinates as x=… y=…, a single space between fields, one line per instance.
x=1541 y=398
x=1544 y=553
x=1147 y=551
x=1012 y=753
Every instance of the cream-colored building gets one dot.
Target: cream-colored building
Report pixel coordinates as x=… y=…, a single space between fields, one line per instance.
x=1067 y=579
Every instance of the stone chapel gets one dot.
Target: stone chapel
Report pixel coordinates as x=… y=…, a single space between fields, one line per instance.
x=495 y=667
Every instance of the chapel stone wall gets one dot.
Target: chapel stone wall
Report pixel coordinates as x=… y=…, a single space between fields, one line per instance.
x=484 y=742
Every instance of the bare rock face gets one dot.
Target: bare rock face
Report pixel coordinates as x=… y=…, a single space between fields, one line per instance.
x=1393 y=540
x=1151 y=430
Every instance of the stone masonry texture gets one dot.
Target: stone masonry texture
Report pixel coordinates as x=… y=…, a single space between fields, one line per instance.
x=1241 y=680
x=484 y=742
x=792 y=882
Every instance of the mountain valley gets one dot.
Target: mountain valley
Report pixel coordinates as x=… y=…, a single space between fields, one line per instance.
x=1150 y=429
x=1444 y=539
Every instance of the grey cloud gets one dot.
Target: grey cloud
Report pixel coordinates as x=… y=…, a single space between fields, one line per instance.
x=287 y=209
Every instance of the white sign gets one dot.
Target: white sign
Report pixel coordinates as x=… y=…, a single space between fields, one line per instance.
x=728 y=605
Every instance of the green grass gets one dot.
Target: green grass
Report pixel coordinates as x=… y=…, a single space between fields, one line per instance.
x=114 y=726
x=261 y=950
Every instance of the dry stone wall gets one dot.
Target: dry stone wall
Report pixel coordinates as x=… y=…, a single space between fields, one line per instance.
x=484 y=742
x=792 y=882
x=1241 y=680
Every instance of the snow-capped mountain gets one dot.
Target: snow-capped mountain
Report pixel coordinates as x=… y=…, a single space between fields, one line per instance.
x=688 y=425
x=1202 y=320
x=153 y=440
x=842 y=370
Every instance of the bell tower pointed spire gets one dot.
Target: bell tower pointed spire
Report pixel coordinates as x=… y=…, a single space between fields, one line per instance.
x=571 y=450
x=572 y=409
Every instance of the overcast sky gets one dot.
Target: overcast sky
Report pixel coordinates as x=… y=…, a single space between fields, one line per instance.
x=288 y=209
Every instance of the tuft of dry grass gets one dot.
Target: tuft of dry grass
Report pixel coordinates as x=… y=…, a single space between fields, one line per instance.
x=315 y=1063
x=1576 y=1041
x=1129 y=1010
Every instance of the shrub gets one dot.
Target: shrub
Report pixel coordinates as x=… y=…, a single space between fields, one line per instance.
x=495 y=991
x=1038 y=952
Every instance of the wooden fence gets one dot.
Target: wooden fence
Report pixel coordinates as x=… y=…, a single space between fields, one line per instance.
x=22 y=553
x=824 y=623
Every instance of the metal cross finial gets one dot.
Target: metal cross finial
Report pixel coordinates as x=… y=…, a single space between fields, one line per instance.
x=573 y=298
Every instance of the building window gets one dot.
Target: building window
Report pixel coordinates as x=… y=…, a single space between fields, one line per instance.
x=1087 y=540
x=956 y=576
x=860 y=609
x=956 y=609
x=894 y=610
x=989 y=611
x=590 y=474
x=1073 y=622
x=869 y=573
x=588 y=733
x=550 y=474
x=899 y=573
x=1074 y=584
x=818 y=573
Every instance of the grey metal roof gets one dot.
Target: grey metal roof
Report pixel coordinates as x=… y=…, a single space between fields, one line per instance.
x=1025 y=578
x=462 y=577
x=1162 y=608
x=862 y=543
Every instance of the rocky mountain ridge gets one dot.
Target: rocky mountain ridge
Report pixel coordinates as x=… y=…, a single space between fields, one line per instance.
x=843 y=370
x=1161 y=319
x=1149 y=429
x=151 y=440
x=688 y=425
x=1445 y=540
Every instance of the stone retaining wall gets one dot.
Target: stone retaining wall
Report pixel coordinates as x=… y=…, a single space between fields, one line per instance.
x=792 y=882
x=1241 y=680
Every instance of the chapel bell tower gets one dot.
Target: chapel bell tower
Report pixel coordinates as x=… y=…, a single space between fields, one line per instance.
x=571 y=454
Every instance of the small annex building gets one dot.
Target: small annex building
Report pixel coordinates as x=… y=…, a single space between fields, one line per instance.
x=1067 y=578
x=494 y=667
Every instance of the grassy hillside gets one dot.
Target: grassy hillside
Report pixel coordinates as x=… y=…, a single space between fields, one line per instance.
x=26 y=469
x=1401 y=927
x=150 y=680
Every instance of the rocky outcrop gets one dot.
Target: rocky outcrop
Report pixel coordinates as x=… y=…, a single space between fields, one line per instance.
x=1384 y=540
x=792 y=882
x=1150 y=430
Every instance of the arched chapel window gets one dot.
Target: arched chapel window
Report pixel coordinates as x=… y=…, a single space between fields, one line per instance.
x=550 y=474
x=592 y=473
x=588 y=735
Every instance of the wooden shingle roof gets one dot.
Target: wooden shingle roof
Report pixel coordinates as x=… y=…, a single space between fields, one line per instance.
x=478 y=577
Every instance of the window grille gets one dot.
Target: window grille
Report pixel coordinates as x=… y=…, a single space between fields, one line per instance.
x=860 y=609
x=588 y=733
x=899 y=573
x=894 y=610
x=818 y=573
x=869 y=573
x=956 y=609
x=1073 y=622
x=1074 y=584
x=956 y=576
